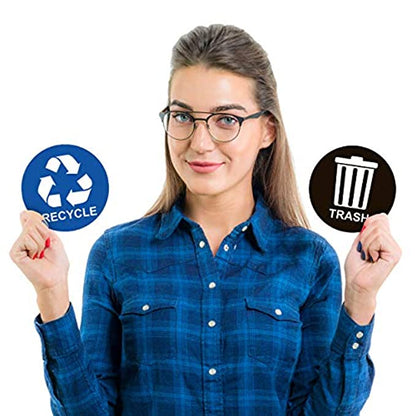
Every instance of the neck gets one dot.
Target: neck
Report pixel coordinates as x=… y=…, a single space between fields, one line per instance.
x=219 y=213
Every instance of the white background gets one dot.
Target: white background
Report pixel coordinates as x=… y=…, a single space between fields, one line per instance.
x=95 y=74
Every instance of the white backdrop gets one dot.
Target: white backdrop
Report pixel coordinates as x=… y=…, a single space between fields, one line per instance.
x=95 y=74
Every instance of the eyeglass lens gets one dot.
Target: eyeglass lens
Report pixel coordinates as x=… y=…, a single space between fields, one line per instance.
x=180 y=125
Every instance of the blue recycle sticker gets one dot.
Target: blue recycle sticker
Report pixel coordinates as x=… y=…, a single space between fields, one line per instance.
x=67 y=185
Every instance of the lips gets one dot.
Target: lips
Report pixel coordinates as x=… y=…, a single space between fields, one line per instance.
x=199 y=166
x=200 y=163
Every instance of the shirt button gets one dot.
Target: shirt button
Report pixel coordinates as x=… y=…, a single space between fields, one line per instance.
x=146 y=307
x=212 y=371
x=202 y=244
x=211 y=323
x=359 y=334
x=226 y=247
x=355 y=345
x=244 y=228
x=212 y=285
x=278 y=312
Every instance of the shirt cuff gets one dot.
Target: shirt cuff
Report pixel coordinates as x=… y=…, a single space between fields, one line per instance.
x=59 y=337
x=350 y=339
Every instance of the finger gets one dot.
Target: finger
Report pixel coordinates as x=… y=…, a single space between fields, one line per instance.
x=355 y=245
x=373 y=228
x=356 y=240
x=32 y=239
x=382 y=246
x=26 y=246
x=26 y=216
x=376 y=220
x=31 y=219
x=38 y=236
x=39 y=233
x=43 y=230
x=366 y=237
x=372 y=242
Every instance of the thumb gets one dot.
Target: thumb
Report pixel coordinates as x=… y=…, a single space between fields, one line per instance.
x=25 y=216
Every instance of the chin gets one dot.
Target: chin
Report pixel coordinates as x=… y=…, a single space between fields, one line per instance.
x=205 y=189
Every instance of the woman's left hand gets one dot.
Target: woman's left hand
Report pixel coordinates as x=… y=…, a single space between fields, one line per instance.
x=372 y=257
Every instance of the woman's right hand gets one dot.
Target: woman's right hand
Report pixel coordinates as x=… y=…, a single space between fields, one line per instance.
x=40 y=255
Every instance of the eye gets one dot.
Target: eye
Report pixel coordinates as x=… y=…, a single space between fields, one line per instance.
x=181 y=117
x=227 y=121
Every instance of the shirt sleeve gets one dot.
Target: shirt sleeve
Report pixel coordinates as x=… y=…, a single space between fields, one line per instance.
x=81 y=366
x=334 y=372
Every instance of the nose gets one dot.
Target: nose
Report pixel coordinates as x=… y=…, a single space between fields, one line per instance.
x=201 y=139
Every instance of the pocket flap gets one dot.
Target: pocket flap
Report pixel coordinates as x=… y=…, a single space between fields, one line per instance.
x=144 y=306
x=278 y=309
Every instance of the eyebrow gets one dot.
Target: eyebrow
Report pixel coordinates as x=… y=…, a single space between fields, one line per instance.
x=213 y=109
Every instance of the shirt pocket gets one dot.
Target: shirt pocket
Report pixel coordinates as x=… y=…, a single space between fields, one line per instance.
x=149 y=329
x=274 y=330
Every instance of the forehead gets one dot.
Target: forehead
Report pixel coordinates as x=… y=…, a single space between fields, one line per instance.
x=203 y=88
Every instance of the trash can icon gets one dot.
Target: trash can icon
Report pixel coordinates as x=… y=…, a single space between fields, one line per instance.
x=353 y=182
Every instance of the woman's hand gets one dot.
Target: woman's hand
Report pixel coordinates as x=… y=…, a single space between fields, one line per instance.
x=372 y=257
x=40 y=255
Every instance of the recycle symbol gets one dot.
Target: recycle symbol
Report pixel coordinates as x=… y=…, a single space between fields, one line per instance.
x=73 y=197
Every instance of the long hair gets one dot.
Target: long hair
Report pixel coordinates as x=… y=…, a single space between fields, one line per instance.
x=230 y=48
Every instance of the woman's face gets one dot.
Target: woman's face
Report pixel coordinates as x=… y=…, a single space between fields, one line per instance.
x=202 y=89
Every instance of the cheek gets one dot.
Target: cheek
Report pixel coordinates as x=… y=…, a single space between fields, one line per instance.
x=243 y=151
x=175 y=151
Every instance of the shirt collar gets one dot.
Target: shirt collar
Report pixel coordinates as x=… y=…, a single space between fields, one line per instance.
x=261 y=220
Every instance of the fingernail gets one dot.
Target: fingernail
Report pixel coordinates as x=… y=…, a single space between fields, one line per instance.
x=363 y=255
x=48 y=242
x=371 y=259
x=359 y=246
x=35 y=256
x=42 y=253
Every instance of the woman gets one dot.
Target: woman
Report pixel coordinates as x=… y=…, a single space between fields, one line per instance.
x=220 y=300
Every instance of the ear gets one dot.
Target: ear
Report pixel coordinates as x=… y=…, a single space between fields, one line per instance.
x=268 y=132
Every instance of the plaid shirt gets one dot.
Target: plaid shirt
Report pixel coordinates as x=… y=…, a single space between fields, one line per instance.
x=169 y=329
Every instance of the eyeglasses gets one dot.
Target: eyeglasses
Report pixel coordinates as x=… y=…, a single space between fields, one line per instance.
x=223 y=127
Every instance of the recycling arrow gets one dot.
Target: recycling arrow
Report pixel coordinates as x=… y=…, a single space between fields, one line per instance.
x=53 y=164
x=79 y=197
x=72 y=167
x=44 y=188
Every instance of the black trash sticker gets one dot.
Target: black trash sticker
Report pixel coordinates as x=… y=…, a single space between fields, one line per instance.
x=348 y=185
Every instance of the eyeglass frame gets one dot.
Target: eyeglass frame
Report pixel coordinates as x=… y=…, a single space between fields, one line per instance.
x=240 y=119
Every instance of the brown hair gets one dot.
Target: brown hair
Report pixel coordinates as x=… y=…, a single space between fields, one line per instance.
x=230 y=48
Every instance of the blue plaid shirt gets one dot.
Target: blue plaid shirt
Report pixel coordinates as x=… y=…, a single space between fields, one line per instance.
x=169 y=329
